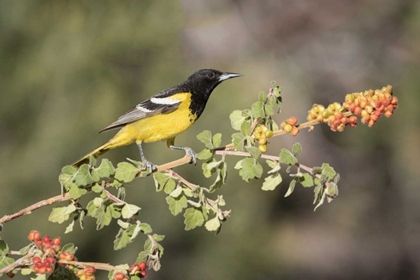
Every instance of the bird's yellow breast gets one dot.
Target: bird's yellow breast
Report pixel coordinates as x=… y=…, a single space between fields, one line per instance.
x=162 y=126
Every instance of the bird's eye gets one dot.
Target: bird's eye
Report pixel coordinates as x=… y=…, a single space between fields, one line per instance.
x=210 y=75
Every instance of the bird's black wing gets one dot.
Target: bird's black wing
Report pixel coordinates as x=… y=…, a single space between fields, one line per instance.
x=146 y=109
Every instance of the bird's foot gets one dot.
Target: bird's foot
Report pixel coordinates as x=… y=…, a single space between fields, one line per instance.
x=193 y=156
x=150 y=167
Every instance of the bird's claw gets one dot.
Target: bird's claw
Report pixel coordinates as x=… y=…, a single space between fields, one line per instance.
x=193 y=156
x=147 y=165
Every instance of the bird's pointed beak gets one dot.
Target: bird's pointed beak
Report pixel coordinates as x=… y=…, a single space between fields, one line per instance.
x=226 y=76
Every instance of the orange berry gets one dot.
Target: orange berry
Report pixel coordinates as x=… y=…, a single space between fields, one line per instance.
x=357 y=111
x=49 y=269
x=388 y=114
x=394 y=100
x=42 y=270
x=56 y=241
x=119 y=276
x=371 y=123
x=295 y=131
x=292 y=121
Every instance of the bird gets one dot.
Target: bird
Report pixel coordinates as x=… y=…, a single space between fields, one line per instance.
x=163 y=116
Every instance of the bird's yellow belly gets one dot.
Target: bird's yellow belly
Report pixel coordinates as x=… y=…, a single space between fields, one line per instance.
x=159 y=127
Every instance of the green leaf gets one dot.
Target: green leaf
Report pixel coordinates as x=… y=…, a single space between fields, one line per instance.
x=274 y=165
x=332 y=190
x=76 y=192
x=97 y=188
x=122 y=239
x=5 y=261
x=205 y=154
x=4 y=248
x=58 y=215
x=287 y=157
x=246 y=128
x=82 y=177
x=306 y=180
x=250 y=169
x=142 y=257
x=115 y=210
x=69 y=248
x=193 y=218
x=291 y=188
x=217 y=140
x=126 y=172
x=69 y=228
x=176 y=192
x=236 y=119
x=238 y=141
x=257 y=110
x=262 y=96
x=176 y=205
x=129 y=210
x=106 y=169
x=164 y=182
x=254 y=151
x=269 y=109
x=328 y=171
x=103 y=217
x=69 y=170
x=213 y=224
x=145 y=228
x=296 y=149
x=205 y=138
x=271 y=182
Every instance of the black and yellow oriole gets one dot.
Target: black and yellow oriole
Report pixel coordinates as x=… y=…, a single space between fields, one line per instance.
x=164 y=116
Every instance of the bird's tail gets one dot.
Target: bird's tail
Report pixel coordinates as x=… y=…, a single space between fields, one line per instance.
x=95 y=153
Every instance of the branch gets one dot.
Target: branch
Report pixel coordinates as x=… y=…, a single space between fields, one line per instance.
x=226 y=150
x=36 y=206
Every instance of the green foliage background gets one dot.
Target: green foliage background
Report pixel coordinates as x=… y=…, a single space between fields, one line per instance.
x=69 y=68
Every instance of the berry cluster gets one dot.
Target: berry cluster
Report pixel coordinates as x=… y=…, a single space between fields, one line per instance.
x=49 y=247
x=86 y=273
x=138 y=269
x=289 y=126
x=370 y=105
x=42 y=267
x=261 y=134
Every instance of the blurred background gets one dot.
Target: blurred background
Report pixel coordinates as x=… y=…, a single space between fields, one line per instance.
x=69 y=68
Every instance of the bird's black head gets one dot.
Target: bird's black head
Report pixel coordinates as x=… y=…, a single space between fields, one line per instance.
x=201 y=84
x=204 y=81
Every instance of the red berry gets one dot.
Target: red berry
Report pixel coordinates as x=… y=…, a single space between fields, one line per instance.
x=36 y=260
x=90 y=270
x=119 y=276
x=46 y=240
x=144 y=273
x=142 y=266
x=56 y=241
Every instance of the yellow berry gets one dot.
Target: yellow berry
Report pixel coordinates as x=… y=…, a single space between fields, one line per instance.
x=263 y=148
x=269 y=133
